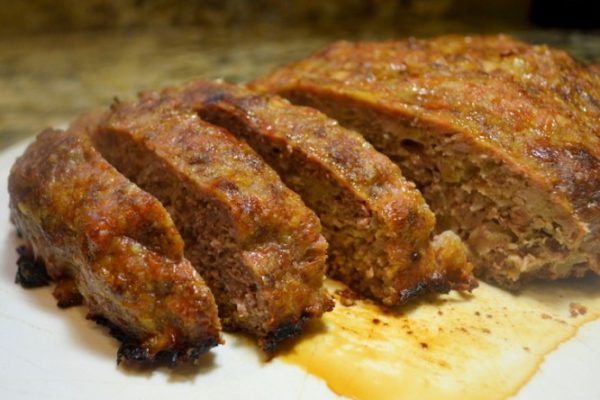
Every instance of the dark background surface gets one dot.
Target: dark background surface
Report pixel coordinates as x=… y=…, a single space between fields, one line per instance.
x=63 y=57
x=75 y=15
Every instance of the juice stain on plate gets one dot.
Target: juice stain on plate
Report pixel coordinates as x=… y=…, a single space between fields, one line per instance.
x=453 y=346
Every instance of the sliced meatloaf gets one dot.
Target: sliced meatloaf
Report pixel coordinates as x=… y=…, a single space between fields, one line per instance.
x=377 y=224
x=104 y=240
x=257 y=245
x=502 y=138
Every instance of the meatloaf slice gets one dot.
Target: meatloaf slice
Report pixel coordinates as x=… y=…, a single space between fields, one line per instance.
x=501 y=137
x=257 y=245
x=103 y=239
x=377 y=224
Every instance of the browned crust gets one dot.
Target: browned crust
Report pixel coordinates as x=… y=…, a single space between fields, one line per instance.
x=275 y=254
x=385 y=253
x=531 y=105
x=521 y=100
x=531 y=108
x=104 y=240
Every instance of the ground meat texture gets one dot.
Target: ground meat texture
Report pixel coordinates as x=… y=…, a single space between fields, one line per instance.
x=501 y=137
x=104 y=240
x=377 y=224
x=257 y=245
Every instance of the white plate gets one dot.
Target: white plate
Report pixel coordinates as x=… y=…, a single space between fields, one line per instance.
x=48 y=353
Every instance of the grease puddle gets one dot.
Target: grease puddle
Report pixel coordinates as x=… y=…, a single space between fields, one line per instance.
x=453 y=346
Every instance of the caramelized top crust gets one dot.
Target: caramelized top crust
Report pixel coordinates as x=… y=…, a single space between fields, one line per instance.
x=533 y=106
x=89 y=223
x=345 y=155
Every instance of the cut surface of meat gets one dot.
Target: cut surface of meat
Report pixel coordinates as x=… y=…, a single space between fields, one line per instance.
x=107 y=242
x=377 y=224
x=253 y=240
x=502 y=138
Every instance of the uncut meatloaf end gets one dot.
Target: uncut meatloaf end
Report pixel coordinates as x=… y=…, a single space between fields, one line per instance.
x=377 y=224
x=502 y=138
x=259 y=248
x=103 y=240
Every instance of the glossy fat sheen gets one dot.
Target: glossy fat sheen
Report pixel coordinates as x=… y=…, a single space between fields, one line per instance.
x=91 y=226
x=376 y=222
x=532 y=109
x=271 y=280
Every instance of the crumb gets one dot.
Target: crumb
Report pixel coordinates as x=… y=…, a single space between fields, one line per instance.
x=577 y=309
x=526 y=348
x=486 y=330
x=440 y=312
x=477 y=313
x=347 y=302
x=376 y=321
x=347 y=297
x=546 y=316
x=424 y=345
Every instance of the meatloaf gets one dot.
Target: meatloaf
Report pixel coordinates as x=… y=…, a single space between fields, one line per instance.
x=257 y=245
x=104 y=240
x=377 y=224
x=502 y=138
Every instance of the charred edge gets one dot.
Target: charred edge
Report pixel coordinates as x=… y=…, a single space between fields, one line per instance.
x=75 y=299
x=270 y=343
x=30 y=273
x=437 y=284
x=67 y=294
x=132 y=351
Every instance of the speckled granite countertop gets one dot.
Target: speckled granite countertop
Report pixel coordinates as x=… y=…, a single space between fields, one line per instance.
x=47 y=80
